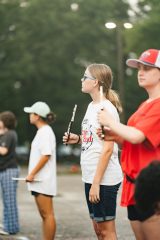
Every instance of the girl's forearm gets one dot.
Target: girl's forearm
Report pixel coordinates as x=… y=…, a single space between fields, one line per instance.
x=127 y=133
x=101 y=167
x=43 y=160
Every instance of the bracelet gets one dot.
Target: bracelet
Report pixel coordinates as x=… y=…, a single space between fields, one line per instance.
x=79 y=139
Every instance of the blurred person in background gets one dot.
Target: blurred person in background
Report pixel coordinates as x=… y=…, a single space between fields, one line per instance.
x=140 y=138
x=8 y=169
x=147 y=194
x=101 y=171
x=42 y=166
x=147 y=197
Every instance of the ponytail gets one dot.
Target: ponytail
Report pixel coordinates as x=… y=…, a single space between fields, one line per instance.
x=113 y=97
x=50 y=118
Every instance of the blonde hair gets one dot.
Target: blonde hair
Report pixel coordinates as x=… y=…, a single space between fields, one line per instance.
x=103 y=74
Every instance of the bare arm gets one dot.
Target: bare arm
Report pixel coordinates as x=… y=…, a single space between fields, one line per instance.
x=3 y=151
x=73 y=138
x=128 y=133
x=43 y=160
x=131 y=134
x=101 y=167
x=109 y=135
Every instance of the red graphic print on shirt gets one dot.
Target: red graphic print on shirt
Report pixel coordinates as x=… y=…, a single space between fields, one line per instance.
x=87 y=136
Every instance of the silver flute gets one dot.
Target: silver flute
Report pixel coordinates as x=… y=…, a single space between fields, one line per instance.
x=71 y=122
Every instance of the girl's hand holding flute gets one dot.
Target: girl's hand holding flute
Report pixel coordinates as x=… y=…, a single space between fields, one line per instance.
x=72 y=139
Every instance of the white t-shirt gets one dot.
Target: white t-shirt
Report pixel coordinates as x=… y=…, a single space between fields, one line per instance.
x=92 y=147
x=44 y=143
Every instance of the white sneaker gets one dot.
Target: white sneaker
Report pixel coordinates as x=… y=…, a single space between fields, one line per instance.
x=2 y=232
x=22 y=238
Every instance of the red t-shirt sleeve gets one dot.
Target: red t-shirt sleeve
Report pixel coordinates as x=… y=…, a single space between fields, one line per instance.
x=149 y=124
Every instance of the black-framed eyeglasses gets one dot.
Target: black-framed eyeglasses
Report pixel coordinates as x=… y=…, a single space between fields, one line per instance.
x=88 y=77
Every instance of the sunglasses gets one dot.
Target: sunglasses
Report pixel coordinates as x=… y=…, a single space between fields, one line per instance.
x=88 y=77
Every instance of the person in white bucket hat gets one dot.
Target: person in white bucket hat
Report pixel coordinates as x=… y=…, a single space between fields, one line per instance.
x=42 y=166
x=140 y=141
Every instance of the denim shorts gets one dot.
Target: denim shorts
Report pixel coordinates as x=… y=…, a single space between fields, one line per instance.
x=105 y=209
x=135 y=215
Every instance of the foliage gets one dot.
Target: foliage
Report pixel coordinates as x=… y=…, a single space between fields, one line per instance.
x=44 y=49
x=144 y=35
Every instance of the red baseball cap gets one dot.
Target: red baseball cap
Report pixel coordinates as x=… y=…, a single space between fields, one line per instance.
x=150 y=57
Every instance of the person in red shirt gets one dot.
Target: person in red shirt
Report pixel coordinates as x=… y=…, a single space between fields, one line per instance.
x=140 y=139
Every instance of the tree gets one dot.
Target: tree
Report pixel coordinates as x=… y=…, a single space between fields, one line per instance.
x=46 y=51
x=144 y=35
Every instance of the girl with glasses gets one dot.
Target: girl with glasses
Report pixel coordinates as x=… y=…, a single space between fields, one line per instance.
x=101 y=171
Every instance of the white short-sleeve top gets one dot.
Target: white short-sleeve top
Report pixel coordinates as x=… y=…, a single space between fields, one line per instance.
x=44 y=143
x=92 y=146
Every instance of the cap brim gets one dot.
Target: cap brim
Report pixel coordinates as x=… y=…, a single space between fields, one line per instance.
x=134 y=63
x=28 y=109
